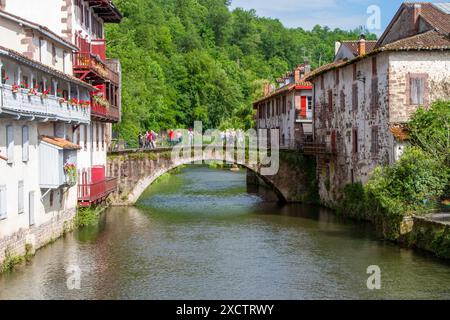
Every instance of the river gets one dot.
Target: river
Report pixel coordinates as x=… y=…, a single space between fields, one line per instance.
x=198 y=234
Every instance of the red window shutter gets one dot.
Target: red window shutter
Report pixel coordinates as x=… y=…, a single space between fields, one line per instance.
x=303 y=107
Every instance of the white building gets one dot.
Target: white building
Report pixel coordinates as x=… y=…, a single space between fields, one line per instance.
x=287 y=108
x=81 y=23
x=38 y=116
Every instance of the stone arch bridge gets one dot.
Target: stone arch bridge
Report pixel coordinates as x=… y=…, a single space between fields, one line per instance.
x=137 y=169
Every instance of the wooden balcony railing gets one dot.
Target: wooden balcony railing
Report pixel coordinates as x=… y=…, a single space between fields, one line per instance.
x=91 y=193
x=91 y=60
x=110 y=113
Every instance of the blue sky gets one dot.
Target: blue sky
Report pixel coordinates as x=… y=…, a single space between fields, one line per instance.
x=344 y=14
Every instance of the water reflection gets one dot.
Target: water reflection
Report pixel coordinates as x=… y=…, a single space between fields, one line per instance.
x=200 y=235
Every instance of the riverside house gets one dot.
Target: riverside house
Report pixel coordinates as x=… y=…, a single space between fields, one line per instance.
x=287 y=108
x=81 y=23
x=361 y=104
x=41 y=106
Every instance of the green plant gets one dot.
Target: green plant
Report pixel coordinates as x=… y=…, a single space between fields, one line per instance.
x=10 y=261
x=86 y=217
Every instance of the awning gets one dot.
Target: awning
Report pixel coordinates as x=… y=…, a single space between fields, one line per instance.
x=60 y=143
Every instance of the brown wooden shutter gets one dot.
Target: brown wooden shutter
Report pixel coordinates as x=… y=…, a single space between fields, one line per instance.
x=355 y=97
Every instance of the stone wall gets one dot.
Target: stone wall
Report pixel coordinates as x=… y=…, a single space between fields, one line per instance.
x=136 y=170
x=431 y=235
x=36 y=236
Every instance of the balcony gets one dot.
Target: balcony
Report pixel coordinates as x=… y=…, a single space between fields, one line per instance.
x=103 y=113
x=23 y=104
x=90 y=63
x=96 y=188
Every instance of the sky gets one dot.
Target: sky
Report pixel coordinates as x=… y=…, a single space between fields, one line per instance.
x=343 y=14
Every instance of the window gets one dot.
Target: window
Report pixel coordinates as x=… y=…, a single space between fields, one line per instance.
x=40 y=49
x=355 y=140
x=355 y=97
x=64 y=61
x=10 y=144
x=374 y=96
x=342 y=100
x=86 y=17
x=374 y=66
x=322 y=85
x=25 y=144
x=3 y=76
x=374 y=140
x=330 y=100
x=85 y=134
x=54 y=54
x=417 y=89
x=20 y=198
x=3 y=210
x=309 y=103
x=103 y=136
x=51 y=198
x=336 y=76
x=354 y=72
x=97 y=135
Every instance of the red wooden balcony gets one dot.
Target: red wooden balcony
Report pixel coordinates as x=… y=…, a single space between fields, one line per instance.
x=102 y=113
x=96 y=192
x=90 y=63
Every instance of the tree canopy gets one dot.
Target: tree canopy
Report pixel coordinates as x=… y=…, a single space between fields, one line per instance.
x=187 y=60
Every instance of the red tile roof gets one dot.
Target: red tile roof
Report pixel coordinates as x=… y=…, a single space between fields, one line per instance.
x=301 y=85
x=427 y=41
x=60 y=142
x=352 y=45
x=429 y=12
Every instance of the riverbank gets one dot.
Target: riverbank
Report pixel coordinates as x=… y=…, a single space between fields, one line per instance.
x=22 y=246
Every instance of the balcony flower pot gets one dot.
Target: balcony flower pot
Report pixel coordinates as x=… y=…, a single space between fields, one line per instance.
x=70 y=171
x=61 y=100
x=15 y=88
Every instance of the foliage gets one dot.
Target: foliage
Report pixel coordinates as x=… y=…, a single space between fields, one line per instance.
x=430 y=130
x=186 y=60
x=86 y=217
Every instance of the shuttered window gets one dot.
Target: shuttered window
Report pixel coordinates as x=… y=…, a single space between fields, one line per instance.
x=342 y=100
x=3 y=202
x=417 y=92
x=10 y=144
x=374 y=96
x=355 y=140
x=330 y=100
x=25 y=144
x=374 y=141
x=355 y=97
x=20 y=197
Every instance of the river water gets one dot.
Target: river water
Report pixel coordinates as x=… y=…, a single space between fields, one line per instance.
x=199 y=234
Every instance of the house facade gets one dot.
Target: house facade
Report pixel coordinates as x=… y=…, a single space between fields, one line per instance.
x=81 y=23
x=361 y=105
x=41 y=106
x=287 y=108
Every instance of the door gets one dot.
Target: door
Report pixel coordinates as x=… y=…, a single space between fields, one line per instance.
x=31 y=208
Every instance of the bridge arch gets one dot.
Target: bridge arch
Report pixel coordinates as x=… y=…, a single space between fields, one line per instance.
x=136 y=170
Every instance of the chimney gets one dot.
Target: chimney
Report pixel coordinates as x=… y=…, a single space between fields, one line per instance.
x=417 y=9
x=297 y=74
x=266 y=88
x=337 y=46
x=307 y=67
x=362 y=45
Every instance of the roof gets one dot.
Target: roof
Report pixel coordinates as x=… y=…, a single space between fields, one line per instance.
x=42 y=29
x=36 y=64
x=301 y=85
x=353 y=45
x=427 y=41
x=435 y=14
x=400 y=131
x=106 y=10
x=60 y=143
